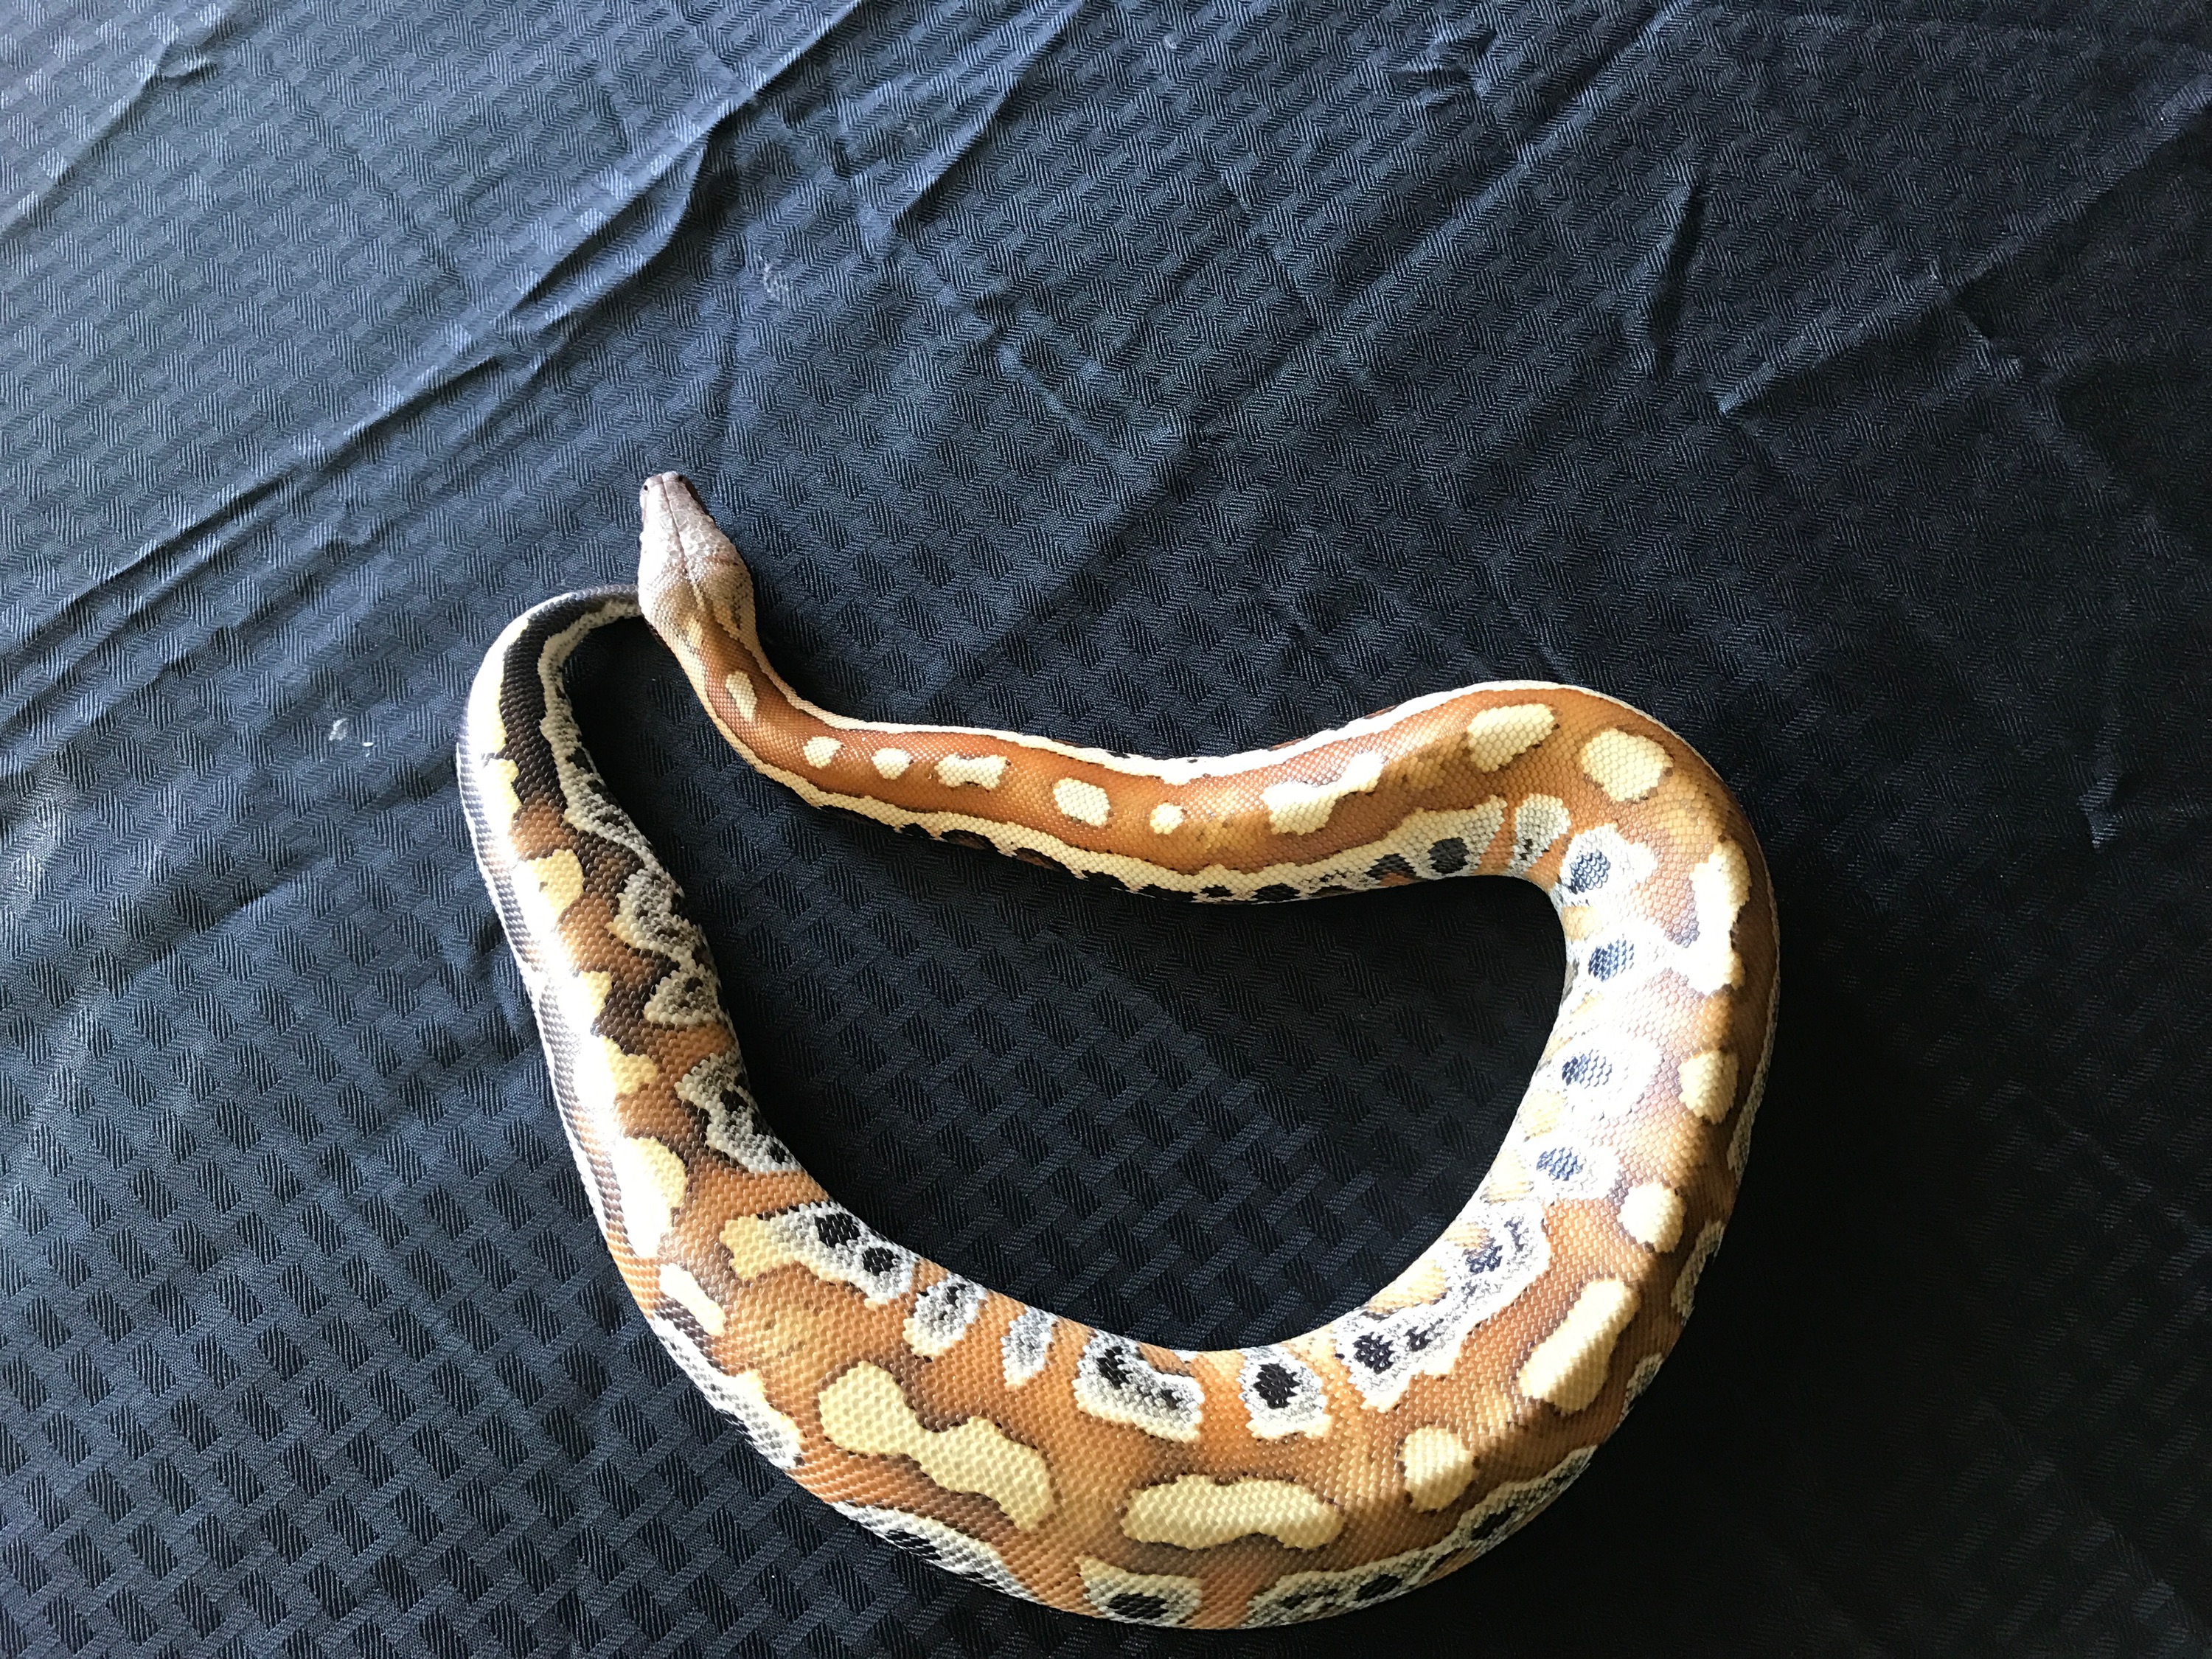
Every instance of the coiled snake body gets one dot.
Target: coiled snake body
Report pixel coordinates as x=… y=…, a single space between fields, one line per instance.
x=1248 y=1487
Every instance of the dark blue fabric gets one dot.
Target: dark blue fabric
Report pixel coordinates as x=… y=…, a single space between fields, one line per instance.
x=1833 y=384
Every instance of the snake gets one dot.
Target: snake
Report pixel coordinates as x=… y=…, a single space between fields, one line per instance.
x=1267 y=1485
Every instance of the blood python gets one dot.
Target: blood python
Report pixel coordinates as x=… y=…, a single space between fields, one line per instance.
x=1247 y=1486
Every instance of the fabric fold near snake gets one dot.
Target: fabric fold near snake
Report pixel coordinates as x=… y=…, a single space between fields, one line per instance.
x=1260 y=1486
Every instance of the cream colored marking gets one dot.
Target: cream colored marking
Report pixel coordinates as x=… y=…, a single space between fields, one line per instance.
x=1509 y=1176
x=679 y=1285
x=1437 y=1467
x=1541 y=1111
x=864 y=1411
x=1422 y=1283
x=1299 y=809
x=1652 y=1214
x=626 y=1072
x=1498 y=736
x=740 y=685
x=1625 y=766
x=754 y=1246
x=496 y=778
x=820 y=751
x=986 y=770
x=1568 y=1367
x=1686 y=1282
x=1719 y=887
x=556 y=881
x=651 y=1180
x=586 y=993
x=1086 y=803
x=1167 y=819
x=893 y=763
x=1708 y=1085
x=1196 y=1513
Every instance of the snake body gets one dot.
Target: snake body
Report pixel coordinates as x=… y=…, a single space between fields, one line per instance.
x=1258 y=1486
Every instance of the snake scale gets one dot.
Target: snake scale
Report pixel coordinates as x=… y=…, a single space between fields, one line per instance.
x=1261 y=1485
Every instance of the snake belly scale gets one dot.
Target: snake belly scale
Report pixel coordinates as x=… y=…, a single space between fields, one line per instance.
x=1261 y=1486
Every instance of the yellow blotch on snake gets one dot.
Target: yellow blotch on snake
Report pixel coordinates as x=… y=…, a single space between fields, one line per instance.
x=1569 y=1367
x=1437 y=1467
x=866 y=1412
x=1196 y=1513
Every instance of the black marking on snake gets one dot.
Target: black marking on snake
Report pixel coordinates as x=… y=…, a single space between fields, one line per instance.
x=1449 y=856
x=970 y=840
x=1140 y=1608
x=1612 y=958
x=875 y=1259
x=1373 y=1352
x=1275 y=892
x=1275 y=1385
x=839 y=1229
x=1559 y=1162
x=1113 y=1380
x=1594 y=1069
x=1590 y=871
x=1390 y=864
x=1490 y=1525
x=1382 y=1584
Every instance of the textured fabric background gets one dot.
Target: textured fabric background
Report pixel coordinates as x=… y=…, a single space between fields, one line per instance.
x=1835 y=383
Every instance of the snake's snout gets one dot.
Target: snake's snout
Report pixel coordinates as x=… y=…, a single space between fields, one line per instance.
x=690 y=576
x=681 y=539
